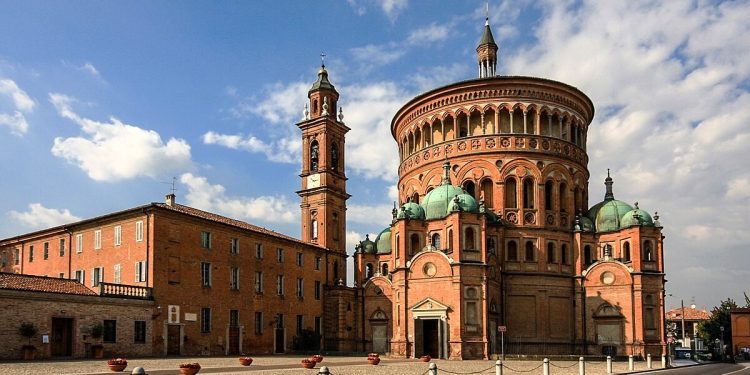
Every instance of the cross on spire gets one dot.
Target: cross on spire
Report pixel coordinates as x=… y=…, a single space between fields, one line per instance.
x=323 y=59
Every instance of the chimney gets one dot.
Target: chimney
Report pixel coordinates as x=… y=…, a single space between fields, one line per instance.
x=170 y=199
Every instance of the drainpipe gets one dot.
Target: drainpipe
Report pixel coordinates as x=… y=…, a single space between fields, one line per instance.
x=70 y=251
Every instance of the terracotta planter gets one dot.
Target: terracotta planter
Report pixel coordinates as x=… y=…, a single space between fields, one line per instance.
x=425 y=358
x=318 y=358
x=97 y=351
x=29 y=353
x=189 y=371
x=246 y=361
x=309 y=364
x=373 y=360
x=117 y=368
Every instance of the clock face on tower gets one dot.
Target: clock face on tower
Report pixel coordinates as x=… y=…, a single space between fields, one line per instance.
x=313 y=181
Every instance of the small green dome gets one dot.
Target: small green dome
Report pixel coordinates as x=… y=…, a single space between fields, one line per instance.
x=586 y=224
x=636 y=217
x=463 y=202
x=366 y=246
x=608 y=215
x=383 y=242
x=411 y=210
x=435 y=204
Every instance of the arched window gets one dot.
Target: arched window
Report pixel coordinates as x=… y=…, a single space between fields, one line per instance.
x=648 y=251
x=368 y=271
x=562 y=197
x=587 y=256
x=314 y=225
x=512 y=251
x=564 y=254
x=314 y=153
x=487 y=193
x=335 y=228
x=491 y=245
x=449 y=244
x=315 y=107
x=548 y=195
x=470 y=188
x=529 y=256
x=528 y=193
x=550 y=253
x=384 y=269
x=510 y=193
x=334 y=156
x=626 y=251
x=517 y=120
x=415 y=197
x=469 y=241
x=436 y=240
x=414 y=240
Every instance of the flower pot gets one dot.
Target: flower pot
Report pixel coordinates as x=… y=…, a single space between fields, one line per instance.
x=189 y=371
x=373 y=360
x=318 y=358
x=97 y=351
x=246 y=361
x=29 y=352
x=117 y=368
x=309 y=364
x=425 y=358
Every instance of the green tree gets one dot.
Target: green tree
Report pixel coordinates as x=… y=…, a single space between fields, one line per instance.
x=710 y=330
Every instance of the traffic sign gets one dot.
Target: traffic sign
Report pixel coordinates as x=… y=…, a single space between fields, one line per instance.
x=502 y=329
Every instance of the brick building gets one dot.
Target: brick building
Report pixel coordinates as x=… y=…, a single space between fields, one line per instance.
x=64 y=313
x=740 y=320
x=494 y=229
x=688 y=317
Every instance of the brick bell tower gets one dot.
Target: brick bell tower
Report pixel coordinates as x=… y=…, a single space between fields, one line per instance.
x=323 y=195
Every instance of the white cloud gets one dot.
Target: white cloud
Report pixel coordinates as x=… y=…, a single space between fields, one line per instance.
x=110 y=151
x=429 y=34
x=669 y=80
x=377 y=55
x=213 y=198
x=284 y=150
x=375 y=215
x=391 y=8
x=39 y=216
x=90 y=69
x=436 y=76
x=20 y=102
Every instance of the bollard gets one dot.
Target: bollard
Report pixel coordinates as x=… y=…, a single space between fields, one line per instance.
x=324 y=371
x=138 y=371
x=433 y=368
x=630 y=362
x=663 y=361
x=545 y=367
x=648 y=362
x=498 y=367
x=609 y=364
x=581 y=366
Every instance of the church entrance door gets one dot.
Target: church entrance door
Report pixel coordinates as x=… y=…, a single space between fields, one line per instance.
x=379 y=338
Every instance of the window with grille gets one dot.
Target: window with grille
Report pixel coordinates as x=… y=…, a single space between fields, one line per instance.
x=139 y=332
x=205 y=274
x=205 y=319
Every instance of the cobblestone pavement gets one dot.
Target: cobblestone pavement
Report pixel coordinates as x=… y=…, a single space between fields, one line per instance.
x=288 y=365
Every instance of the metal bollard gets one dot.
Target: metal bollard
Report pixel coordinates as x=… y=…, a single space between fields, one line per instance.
x=324 y=371
x=609 y=364
x=545 y=366
x=138 y=371
x=581 y=366
x=630 y=362
x=498 y=367
x=649 y=364
x=433 y=368
x=663 y=361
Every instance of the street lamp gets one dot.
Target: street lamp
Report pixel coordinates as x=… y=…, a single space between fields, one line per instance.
x=721 y=328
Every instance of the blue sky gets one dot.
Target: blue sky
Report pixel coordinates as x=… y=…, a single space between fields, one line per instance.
x=103 y=103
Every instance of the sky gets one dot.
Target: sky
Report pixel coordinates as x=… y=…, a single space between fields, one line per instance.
x=103 y=105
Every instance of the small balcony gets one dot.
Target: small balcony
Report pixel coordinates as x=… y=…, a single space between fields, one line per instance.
x=125 y=291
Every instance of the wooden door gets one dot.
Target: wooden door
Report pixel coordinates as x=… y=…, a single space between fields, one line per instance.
x=173 y=339
x=379 y=338
x=61 y=342
x=280 y=345
x=234 y=340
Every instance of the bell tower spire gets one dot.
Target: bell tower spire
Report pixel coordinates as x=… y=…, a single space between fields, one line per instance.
x=323 y=195
x=487 y=50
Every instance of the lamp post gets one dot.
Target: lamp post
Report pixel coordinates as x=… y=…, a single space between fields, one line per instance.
x=721 y=328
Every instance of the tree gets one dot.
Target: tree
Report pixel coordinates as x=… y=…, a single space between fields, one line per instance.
x=710 y=330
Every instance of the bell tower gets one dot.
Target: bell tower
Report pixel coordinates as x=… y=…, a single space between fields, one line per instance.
x=323 y=195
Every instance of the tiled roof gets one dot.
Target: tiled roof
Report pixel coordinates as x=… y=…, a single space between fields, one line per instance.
x=690 y=314
x=225 y=220
x=42 y=284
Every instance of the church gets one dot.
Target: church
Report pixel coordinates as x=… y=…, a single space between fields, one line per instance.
x=493 y=246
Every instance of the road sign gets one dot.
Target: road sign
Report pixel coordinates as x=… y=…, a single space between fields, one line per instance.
x=670 y=340
x=502 y=329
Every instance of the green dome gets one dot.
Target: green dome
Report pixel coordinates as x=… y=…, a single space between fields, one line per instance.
x=464 y=202
x=435 y=204
x=411 y=210
x=586 y=224
x=607 y=215
x=383 y=242
x=366 y=246
x=636 y=217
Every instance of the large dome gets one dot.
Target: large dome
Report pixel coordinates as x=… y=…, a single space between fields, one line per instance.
x=608 y=215
x=436 y=203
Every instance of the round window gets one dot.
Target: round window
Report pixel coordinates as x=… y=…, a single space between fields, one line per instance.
x=608 y=277
x=429 y=270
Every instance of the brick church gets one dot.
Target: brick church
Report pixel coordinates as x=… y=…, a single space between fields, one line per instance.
x=493 y=229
